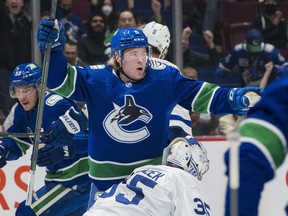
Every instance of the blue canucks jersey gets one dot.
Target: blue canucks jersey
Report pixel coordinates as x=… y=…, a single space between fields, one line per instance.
x=263 y=137
x=129 y=122
x=25 y=121
x=267 y=127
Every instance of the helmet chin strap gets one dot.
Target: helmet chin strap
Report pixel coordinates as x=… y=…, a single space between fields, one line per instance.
x=134 y=80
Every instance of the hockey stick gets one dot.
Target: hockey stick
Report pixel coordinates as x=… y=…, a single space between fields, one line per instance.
x=234 y=141
x=31 y=135
x=21 y=135
x=45 y=69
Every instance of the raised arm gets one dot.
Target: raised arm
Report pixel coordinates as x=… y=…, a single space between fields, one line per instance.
x=50 y=31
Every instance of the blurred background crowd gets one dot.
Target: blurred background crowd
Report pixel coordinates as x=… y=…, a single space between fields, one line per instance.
x=228 y=42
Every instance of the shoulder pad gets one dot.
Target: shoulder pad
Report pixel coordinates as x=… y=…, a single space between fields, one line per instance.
x=53 y=99
x=159 y=64
x=97 y=66
x=156 y=64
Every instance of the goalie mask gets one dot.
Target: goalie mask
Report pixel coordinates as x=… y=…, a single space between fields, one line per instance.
x=25 y=75
x=158 y=36
x=189 y=154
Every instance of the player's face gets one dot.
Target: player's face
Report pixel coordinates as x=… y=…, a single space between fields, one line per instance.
x=134 y=62
x=27 y=96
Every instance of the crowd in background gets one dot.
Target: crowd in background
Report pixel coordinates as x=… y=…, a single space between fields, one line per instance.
x=90 y=24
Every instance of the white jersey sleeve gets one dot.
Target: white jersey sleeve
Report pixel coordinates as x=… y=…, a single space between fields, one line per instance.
x=180 y=118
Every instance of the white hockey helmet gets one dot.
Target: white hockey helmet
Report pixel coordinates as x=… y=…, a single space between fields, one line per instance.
x=158 y=36
x=189 y=154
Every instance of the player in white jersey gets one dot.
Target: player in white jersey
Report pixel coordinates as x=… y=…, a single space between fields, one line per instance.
x=158 y=36
x=173 y=188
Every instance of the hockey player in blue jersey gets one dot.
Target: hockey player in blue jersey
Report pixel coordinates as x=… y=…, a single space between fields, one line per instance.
x=129 y=101
x=173 y=188
x=66 y=189
x=263 y=136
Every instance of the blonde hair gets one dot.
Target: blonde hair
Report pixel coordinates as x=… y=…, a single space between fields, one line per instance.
x=113 y=63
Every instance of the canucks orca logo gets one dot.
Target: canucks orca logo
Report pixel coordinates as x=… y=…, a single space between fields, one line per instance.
x=125 y=116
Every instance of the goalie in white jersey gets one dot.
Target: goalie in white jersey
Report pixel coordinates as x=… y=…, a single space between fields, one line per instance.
x=173 y=188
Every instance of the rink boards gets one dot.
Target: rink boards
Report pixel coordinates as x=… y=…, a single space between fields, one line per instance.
x=14 y=177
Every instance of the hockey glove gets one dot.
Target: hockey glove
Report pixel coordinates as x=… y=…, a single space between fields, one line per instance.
x=51 y=155
x=51 y=32
x=3 y=154
x=63 y=130
x=238 y=101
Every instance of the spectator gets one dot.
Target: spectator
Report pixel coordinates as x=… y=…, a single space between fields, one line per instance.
x=265 y=79
x=71 y=21
x=197 y=59
x=169 y=189
x=106 y=7
x=250 y=59
x=15 y=46
x=156 y=7
x=117 y=5
x=142 y=19
x=71 y=52
x=126 y=19
x=91 y=45
x=203 y=16
x=272 y=24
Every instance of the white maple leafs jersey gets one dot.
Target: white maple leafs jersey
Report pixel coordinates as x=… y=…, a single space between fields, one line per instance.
x=153 y=190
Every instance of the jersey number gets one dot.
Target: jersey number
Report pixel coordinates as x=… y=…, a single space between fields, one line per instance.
x=202 y=207
x=139 y=195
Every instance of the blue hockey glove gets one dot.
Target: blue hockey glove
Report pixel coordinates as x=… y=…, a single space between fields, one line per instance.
x=63 y=130
x=51 y=154
x=220 y=72
x=3 y=154
x=51 y=32
x=238 y=101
